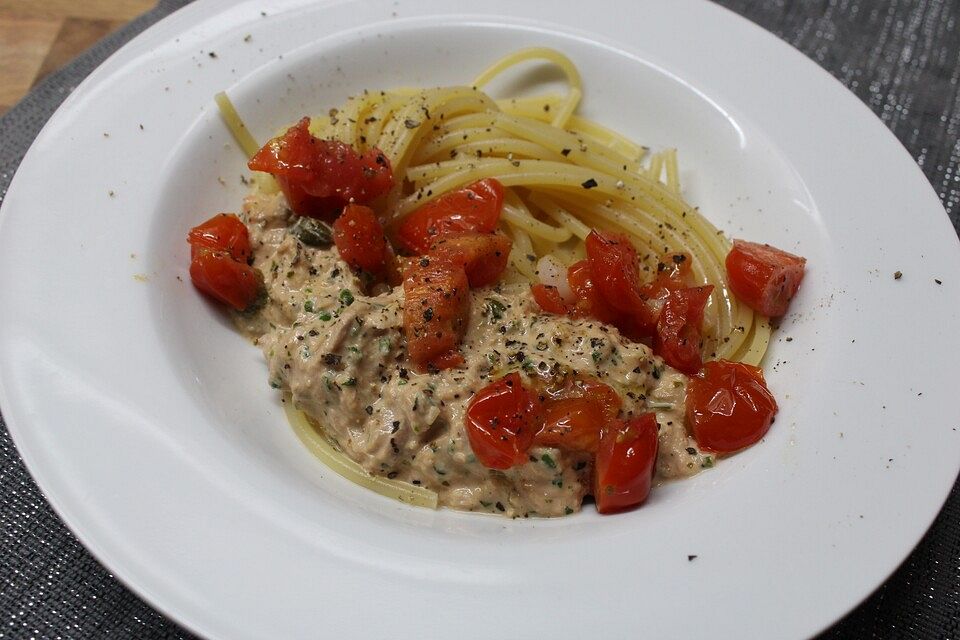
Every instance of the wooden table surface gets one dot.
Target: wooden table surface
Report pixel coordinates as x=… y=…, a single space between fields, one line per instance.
x=40 y=36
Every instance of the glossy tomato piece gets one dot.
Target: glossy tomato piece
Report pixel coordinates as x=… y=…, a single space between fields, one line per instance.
x=360 y=240
x=625 y=463
x=590 y=302
x=501 y=422
x=483 y=255
x=571 y=423
x=222 y=232
x=319 y=176
x=763 y=277
x=615 y=270
x=436 y=303
x=678 y=328
x=474 y=208
x=581 y=386
x=729 y=406
x=673 y=273
x=218 y=275
x=549 y=299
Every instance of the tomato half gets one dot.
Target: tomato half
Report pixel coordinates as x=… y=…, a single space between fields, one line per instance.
x=435 y=307
x=678 y=328
x=763 y=277
x=483 y=255
x=222 y=232
x=590 y=302
x=615 y=270
x=729 y=406
x=360 y=240
x=320 y=176
x=571 y=423
x=549 y=299
x=625 y=463
x=218 y=275
x=474 y=208
x=500 y=422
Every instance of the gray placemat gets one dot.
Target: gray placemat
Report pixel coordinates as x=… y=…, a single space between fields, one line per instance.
x=901 y=58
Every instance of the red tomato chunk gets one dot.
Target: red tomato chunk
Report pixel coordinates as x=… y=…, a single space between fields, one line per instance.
x=482 y=255
x=435 y=307
x=678 y=329
x=222 y=232
x=472 y=209
x=729 y=406
x=318 y=176
x=501 y=420
x=763 y=277
x=359 y=239
x=626 y=461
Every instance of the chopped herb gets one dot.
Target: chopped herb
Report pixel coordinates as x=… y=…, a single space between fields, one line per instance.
x=384 y=346
x=567 y=511
x=597 y=357
x=428 y=315
x=351 y=382
x=308 y=306
x=495 y=308
x=325 y=316
x=331 y=359
x=653 y=404
x=548 y=460
x=486 y=503
x=346 y=297
x=707 y=462
x=274 y=384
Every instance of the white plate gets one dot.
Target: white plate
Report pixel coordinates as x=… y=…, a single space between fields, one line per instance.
x=149 y=425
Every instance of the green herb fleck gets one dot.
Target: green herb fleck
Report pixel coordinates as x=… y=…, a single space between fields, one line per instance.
x=495 y=308
x=308 y=306
x=707 y=462
x=325 y=316
x=548 y=460
x=346 y=297
x=567 y=511
x=597 y=357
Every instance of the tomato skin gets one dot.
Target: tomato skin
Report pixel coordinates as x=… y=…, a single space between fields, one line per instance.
x=729 y=406
x=678 y=328
x=483 y=255
x=572 y=424
x=222 y=232
x=221 y=277
x=360 y=240
x=763 y=277
x=590 y=302
x=500 y=422
x=615 y=270
x=549 y=299
x=319 y=176
x=474 y=208
x=435 y=308
x=625 y=463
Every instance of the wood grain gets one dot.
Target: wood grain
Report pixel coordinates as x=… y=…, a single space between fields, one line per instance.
x=38 y=37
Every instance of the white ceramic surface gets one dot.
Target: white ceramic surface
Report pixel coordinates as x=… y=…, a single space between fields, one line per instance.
x=151 y=429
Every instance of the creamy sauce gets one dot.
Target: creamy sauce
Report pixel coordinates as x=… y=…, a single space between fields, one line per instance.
x=341 y=356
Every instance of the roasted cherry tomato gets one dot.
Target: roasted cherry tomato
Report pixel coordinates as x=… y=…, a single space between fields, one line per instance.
x=220 y=276
x=360 y=240
x=222 y=232
x=571 y=423
x=729 y=406
x=320 y=176
x=590 y=301
x=625 y=463
x=483 y=255
x=501 y=421
x=615 y=270
x=436 y=303
x=474 y=208
x=549 y=299
x=574 y=411
x=763 y=277
x=678 y=328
